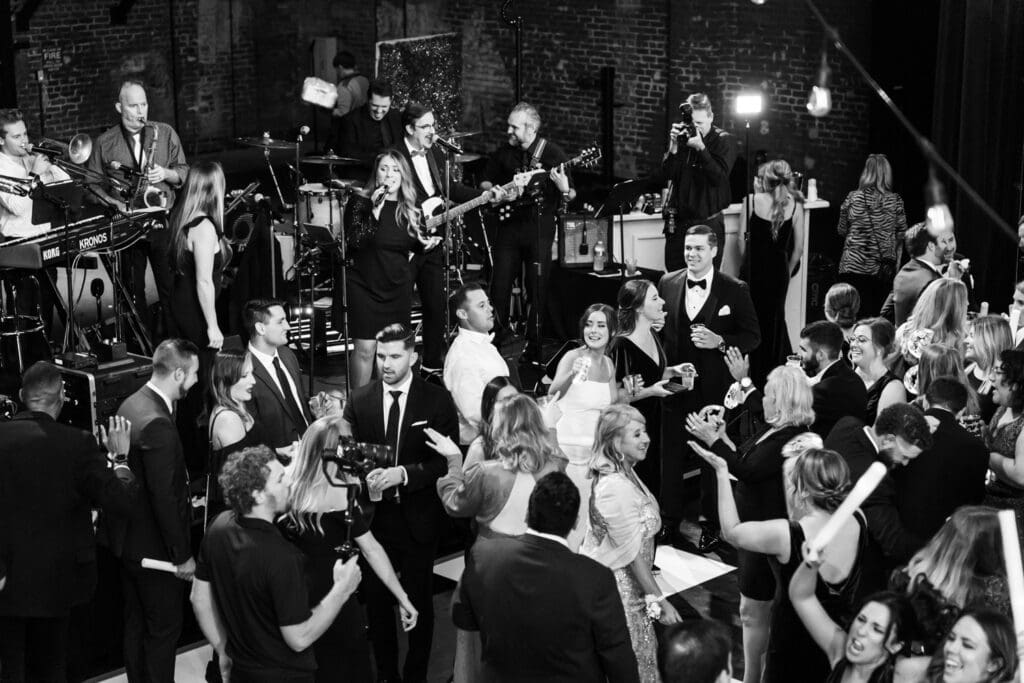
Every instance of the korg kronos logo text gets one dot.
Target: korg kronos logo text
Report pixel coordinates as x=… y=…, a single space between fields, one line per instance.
x=93 y=241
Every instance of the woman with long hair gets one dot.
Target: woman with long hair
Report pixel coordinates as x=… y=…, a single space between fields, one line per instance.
x=980 y=648
x=872 y=346
x=771 y=254
x=872 y=222
x=316 y=524
x=816 y=482
x=624 y=520
x=1005 y=437
x=232 y=428
x=842 y=304
x=495 y=492
x=942 y=309
x=937 y=361
x=757 y=465
x=382 y=227
x=482 y=447
x=640 y=370
x=987 y=337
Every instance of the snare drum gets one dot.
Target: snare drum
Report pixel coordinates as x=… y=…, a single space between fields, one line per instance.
x=320 y=205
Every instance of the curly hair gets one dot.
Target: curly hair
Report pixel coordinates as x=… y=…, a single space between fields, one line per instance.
x=793 y=397
x=1013 y=374
x=245 y=473
x=906 y=422
x=520 y=438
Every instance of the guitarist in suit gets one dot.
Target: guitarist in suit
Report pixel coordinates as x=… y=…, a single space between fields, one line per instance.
x=277 y=404
x=707 y=312
x=527 y=235
x=427 y=163
x=159 y=528
x=395 y=410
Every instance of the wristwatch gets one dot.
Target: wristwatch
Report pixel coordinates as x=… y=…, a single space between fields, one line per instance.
x=746 y=383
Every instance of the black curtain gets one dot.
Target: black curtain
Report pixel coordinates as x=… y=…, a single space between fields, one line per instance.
x=979 y=128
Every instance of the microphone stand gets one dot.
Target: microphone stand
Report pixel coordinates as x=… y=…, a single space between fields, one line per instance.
x=446 y=242
x=70 y=325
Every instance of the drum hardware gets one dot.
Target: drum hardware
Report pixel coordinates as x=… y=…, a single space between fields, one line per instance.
x=26 y=333
x=330 y=160
x=266 y=142
x=456 y=135
x=467 y=158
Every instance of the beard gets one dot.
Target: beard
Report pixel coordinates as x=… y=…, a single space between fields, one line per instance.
x=812 y=366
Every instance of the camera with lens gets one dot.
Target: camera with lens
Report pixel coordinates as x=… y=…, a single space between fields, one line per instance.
x=358 y=458
x=686 y=118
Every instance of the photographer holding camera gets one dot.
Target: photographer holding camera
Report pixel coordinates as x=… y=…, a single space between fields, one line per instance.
x=699 y=159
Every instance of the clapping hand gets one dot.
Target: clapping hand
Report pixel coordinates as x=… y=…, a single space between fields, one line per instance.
x=738 y=364
x=717 y=462
x=708 y=432
x=117 y=437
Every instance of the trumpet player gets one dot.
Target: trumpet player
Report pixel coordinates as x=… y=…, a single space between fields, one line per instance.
x=139 y=151
x=17 y=162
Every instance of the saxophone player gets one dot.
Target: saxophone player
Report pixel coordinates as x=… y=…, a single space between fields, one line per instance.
x=135 y=150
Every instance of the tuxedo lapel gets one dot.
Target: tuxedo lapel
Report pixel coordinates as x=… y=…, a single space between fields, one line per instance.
x=377 y=414
x=707 y=311
x=435 y=173
x=411 y=403
x=260 y=373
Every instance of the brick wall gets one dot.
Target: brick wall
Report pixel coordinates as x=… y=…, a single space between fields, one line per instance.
x=222 y=68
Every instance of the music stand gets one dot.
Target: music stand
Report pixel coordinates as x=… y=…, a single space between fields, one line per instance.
x=620 y=199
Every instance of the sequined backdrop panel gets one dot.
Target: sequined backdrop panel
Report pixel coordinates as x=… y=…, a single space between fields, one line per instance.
x=426 y=69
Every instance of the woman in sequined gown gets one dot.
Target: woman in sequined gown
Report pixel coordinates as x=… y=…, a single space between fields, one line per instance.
x=1005 y=440
x=624 y=518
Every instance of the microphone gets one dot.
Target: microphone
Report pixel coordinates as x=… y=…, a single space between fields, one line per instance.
x=378 y=196
x=96 y=288
x=127 y=170
x=263 y=200
x=450 y=146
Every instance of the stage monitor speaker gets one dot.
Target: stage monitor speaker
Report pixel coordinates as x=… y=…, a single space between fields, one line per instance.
x=576 y=240
x=94 y=394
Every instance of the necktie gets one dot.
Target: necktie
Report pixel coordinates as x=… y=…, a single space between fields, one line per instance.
x=690 y=284
x=394 y=417
x=289 y=397
x=137 y=148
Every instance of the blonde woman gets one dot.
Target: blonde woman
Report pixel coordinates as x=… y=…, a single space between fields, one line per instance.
x=987 y=337
x=758 y=466
x=624 y=519
x=316 y=524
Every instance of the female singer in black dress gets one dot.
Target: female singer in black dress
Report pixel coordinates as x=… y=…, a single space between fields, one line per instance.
x=771 y=253
x=198 y=253
x=640 y=367
x=382 y=230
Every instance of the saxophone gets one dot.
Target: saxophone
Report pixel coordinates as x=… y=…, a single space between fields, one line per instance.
x=145 y=195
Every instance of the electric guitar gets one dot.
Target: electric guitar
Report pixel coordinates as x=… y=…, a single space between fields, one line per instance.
x=434 y=211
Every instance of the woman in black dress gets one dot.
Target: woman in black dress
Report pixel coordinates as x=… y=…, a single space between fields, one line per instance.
x=316 y=524
x=760 y=494
x=640 y=370
x=232 y=428
x=198 y=253
x=382 y=230
x=771 y=254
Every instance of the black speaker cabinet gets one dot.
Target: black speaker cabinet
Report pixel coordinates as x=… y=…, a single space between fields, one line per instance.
x=576 y=240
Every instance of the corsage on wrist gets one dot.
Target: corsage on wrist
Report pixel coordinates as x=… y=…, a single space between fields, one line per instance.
x=653 y=606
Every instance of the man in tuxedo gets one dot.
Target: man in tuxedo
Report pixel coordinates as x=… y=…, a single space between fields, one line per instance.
x=929 y=250
x=51 y=476
x=707 y=312
x=838 y=391
x=372 y=128
x=544 y=612
x=395 y=410
x=696 y=651
x=427 y=161
x=899 y=435
x=948 y=475
x=277 y=403
x=159 y=529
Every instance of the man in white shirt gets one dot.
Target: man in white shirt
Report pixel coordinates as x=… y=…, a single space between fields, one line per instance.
x=277 y=404
x=17 y=162
x=472 y=360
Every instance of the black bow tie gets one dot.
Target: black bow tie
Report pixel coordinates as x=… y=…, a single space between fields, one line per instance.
x=690 y=284
x=418 y=152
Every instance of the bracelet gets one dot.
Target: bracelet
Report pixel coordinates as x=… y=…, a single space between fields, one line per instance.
x=653 y=606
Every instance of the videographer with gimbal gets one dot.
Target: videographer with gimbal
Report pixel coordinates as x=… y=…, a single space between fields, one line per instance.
x=699 y=159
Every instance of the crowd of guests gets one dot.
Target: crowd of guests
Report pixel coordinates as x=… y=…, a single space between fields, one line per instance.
x=313 y=501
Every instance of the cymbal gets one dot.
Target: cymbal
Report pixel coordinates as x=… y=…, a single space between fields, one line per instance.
x=466 y=158
x=330 y=160
x=266 y=143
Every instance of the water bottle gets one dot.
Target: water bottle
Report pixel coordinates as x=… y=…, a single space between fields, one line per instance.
x=600 y=256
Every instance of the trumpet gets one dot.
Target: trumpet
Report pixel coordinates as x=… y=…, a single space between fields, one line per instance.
x=77 y=151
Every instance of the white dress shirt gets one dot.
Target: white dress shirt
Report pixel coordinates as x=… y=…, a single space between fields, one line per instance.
x=471 y=363
x=550 y=537
x=697 y=296
x=267 y=361
x=422 y=169
x=15 y=211
x=165 y=397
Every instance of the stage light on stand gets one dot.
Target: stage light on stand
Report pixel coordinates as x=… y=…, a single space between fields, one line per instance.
x=939 y=217
x=820 y=102
x=749 y=104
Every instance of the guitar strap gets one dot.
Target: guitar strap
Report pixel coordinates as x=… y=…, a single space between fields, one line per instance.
x=537 y=151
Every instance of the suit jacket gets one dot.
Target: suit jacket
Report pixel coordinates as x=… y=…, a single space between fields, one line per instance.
x=907 y=286
x=544 y=613
x=728 y=311
x=268 y=404
x=359 y=134
x=160 y=524
x=51 y=475
x=941 y=479
x=435 y=160
x=839 y=394
x=427 y=405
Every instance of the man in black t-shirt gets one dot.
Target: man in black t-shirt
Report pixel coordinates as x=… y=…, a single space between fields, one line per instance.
x=249 y=592
x=529 y=230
